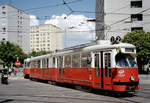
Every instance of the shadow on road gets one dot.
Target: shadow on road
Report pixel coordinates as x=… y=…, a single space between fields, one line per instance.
x=6 y=101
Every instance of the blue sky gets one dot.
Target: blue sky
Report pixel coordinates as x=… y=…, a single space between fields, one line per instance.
x=82 y=31
x=79 y=5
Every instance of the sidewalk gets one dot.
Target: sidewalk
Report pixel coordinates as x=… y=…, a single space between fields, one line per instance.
x=144 y=78
x=15 y=77
x=18 y=76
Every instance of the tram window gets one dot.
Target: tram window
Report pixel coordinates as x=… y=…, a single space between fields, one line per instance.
x=50 y=63
x=97 y=64
x=47 y=62
x=125 y=60
x=97 y=60
x=60 y=62
x=84 y=60
x=38 y=63
x=76 y=60
x=27 y=64
x=33 y=64
x=44 y=63
x=107 y=64
x=53 y=63
x=67 y=61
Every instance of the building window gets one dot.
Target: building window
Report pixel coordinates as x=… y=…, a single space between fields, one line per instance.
x=18 y=11
x=3 y=7
x=4 y=39
x=136 y=17
x=4 y=29
x=4 y=12
x=136 y=28
x=136 y=4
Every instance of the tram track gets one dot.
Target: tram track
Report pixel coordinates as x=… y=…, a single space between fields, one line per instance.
x=63 y=97
x=134 y=101
x=20 y=100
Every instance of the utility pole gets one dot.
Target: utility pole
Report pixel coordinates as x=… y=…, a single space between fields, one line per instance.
x=100 y=35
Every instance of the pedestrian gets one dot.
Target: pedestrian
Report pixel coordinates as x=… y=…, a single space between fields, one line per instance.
x=9 y=71
x=15 y=71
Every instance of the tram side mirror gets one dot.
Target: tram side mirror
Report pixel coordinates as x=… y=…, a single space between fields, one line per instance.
x=89 y=59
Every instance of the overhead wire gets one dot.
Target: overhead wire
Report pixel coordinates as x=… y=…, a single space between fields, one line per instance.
x=48 y=6
x=72 y=11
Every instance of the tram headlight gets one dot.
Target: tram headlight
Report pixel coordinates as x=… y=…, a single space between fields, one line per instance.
x=132 y=78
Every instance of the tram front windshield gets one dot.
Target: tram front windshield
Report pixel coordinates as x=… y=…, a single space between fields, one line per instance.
x=125 y=60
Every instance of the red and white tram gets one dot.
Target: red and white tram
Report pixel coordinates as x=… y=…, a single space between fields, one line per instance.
x=101 y=65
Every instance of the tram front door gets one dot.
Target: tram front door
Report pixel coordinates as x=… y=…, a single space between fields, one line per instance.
x=102 y=71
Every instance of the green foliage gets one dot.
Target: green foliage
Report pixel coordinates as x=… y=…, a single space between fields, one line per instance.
x=34 y=53
x=9 y=52
x=141 y=40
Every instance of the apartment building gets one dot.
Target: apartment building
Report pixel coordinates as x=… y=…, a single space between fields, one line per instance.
x=15 y=26
x=45 y=37
x=118 y=17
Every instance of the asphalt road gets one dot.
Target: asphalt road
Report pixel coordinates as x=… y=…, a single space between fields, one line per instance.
x=20 y=90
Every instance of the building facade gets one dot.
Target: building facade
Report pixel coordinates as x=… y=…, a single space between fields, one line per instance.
x=15 y=26
x=118 y=17
x=45 y=37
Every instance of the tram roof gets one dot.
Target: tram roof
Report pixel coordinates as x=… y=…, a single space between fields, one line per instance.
x=99 y=45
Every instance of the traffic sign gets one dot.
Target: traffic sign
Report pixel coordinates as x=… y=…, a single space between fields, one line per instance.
x=17 y=63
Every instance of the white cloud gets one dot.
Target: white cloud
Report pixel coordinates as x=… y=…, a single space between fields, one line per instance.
x=76 y=29
x=33 y=20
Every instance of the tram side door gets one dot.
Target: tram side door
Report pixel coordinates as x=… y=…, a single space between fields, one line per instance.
x=107 y=83
x=97 y=80
x=60 y=67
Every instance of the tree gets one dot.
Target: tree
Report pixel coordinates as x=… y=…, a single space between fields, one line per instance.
x=141 y=40
x=34 y=53
x=9 y=53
